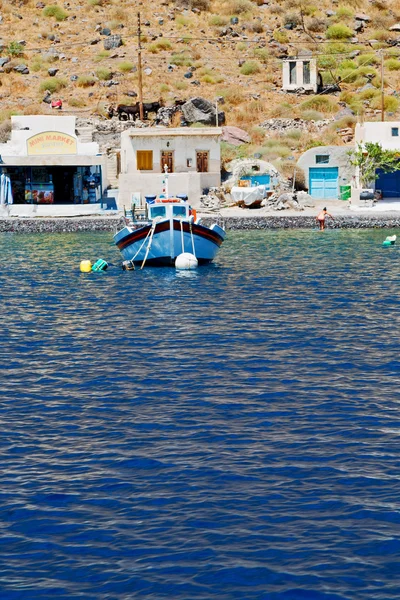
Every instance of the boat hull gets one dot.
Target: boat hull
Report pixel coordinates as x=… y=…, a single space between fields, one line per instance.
x=170 y=238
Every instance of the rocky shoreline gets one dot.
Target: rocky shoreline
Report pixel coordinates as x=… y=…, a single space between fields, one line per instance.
x=376 y=221
x=113 y=224
x=61 y=225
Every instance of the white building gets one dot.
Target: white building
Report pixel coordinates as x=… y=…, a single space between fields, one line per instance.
x=300 y=73
x=387 y=134
x=50 y=169
x=192 y=155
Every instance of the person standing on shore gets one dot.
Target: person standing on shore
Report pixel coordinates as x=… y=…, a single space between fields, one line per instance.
x=321 y=218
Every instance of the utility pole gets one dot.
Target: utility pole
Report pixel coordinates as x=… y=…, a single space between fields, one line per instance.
x=140 y=81
x=382 y=89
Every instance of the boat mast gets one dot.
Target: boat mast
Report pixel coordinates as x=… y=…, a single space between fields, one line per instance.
x=166 y=189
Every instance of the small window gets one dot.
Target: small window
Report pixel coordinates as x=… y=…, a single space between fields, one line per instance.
x=144 y=160
x=395 y=132
x=292 y=72
x=179 y=211
x=306 y=72
x=158 y=211
x=322 y=159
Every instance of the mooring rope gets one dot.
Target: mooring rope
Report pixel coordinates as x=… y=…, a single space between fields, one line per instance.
x=153 y=227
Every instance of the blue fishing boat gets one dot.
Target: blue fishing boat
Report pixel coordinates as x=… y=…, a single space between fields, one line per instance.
x=172 y=229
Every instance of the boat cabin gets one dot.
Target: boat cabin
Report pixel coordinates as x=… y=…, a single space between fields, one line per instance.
x=168 y=210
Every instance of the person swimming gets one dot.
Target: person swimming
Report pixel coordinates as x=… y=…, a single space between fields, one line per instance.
x=321 y=218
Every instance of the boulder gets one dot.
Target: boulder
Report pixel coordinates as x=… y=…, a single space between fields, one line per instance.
x=3 y=61
x=199 y=110
x=106 y=31
x=52 y=71
x=235 y=136
x=362 y=17
x=359 y=26
x=395 y=27
x=113 y=41
x=23 y=69
x=344 y=112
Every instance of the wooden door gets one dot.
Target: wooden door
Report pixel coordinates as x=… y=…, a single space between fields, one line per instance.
x=167 y=158
x=202 y=162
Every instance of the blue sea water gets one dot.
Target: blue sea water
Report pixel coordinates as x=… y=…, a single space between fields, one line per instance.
x=229 y=433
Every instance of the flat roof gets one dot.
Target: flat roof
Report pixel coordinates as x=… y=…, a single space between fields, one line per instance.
x=174 y=131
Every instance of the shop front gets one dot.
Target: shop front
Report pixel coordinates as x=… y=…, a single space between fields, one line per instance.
x=54 y=185
x=46 y=164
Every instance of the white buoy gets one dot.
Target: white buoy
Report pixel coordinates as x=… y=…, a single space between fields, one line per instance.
x=186 y=261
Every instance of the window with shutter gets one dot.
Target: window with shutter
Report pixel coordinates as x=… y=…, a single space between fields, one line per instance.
x=202 y=162
x=167 y=159
x=144 y=160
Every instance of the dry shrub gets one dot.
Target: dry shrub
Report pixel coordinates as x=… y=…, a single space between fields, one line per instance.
x=5 y=131
x=317 y=25
x=236 y=7
x=232 y=95
x=33 y=109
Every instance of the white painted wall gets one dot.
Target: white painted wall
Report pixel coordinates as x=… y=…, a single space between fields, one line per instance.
x=184 y=143
x=24 y=127
x=378 y=132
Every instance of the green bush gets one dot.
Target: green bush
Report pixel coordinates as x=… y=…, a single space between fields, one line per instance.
x=102 y=55
x=364 y=73
x=125 y=66
x=95 y=3
x=104 y=74
x=367 y=59
x=53 y=84
x=327 y=62
x=85 y=81
x=15 y=49
x=162 y=44
x=281 y=36
x=391 y=103
x=250 y=67
x=55 y=11
x=320 y=103
x=262 y=54
x=348 y=75
x=339 y=32
x=336 y=48
x=181 y=60
x=347 y=64
x=217 y=21
x=368 y=94
x=392 y=64
x=344 y=12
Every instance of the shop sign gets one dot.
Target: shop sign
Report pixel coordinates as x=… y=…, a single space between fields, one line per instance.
x=51 y=142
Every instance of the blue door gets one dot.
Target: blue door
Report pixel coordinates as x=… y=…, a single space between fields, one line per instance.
x=324 y=182
x=389 y=184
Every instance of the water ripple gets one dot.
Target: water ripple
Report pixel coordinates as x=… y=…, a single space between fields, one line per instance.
x=229 y=433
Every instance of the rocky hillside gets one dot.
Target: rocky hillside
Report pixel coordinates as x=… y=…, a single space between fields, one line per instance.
x=85 y=52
